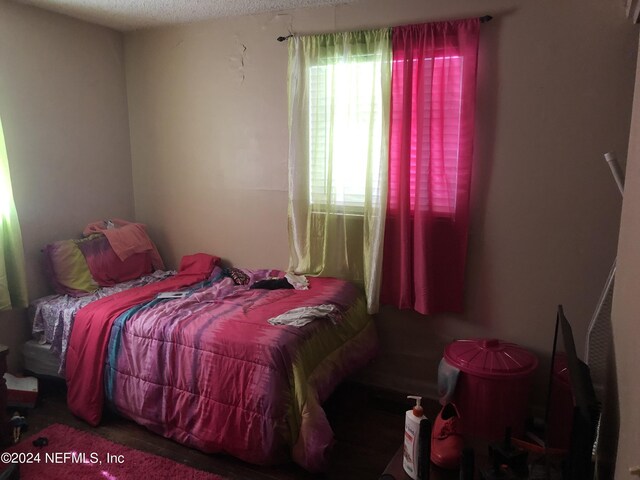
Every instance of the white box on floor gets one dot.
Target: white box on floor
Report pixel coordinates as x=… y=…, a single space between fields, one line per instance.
x=22 y=392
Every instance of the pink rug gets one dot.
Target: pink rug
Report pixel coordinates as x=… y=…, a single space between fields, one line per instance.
x=72 y=454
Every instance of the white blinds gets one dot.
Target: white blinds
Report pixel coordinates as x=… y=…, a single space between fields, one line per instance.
x=345 y=128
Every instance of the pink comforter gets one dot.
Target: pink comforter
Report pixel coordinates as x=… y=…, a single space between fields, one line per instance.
x=209 y=370
x=91 y=330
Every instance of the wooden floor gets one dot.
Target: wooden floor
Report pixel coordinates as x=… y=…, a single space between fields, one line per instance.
x=368 y=426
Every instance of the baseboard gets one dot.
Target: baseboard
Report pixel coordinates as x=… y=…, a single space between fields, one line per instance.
x=398 y=385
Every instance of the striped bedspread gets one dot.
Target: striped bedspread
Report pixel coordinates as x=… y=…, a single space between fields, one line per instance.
x=210 y=372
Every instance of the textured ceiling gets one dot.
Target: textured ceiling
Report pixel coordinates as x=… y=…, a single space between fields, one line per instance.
x=134 y=14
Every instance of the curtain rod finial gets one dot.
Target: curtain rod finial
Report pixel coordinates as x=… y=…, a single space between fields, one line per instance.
x=486 y=18
x=282 y=39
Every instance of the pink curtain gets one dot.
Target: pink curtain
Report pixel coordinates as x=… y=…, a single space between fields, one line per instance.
x=431 y=147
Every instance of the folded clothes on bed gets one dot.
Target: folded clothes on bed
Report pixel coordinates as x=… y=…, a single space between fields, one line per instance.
x=300 y=316
x=299 y=282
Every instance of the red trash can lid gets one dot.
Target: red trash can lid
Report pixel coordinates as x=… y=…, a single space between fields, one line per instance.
x=490 y=358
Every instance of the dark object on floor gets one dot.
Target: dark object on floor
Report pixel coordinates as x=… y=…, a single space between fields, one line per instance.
x=467 y=464
x=501 y=454
x=41 y=442
x=424 y=450
x=11 y=473
x=505 y=453
x=499 y=473
x=272 y=284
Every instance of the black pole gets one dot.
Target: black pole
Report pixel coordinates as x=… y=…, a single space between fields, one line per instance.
x=483 y=19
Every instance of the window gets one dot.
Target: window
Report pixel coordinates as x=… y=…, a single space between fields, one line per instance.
x=6 y=195
x=344 y=123
x=345 y=131
x=433 y=165
x=13 y=288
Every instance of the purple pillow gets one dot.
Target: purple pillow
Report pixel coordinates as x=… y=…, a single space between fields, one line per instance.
x=67 y=269
x=105 y=266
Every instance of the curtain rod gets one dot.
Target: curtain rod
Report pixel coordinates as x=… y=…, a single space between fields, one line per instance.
x=483 y=19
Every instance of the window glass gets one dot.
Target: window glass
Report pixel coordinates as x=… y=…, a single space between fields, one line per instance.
x=345 y=128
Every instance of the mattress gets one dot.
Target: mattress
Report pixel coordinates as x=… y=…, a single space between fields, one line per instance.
x=39 y=359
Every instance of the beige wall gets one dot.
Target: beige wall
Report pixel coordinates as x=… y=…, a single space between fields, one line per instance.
x=626 y=306
x=209 y=149
x=64 y=109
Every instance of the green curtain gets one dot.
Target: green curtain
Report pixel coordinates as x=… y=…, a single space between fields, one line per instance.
x=13 y=284
x=339 y=89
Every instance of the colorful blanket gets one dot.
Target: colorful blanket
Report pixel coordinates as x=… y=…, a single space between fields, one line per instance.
x=52 y=316
x=90 y=335
x=210 y=372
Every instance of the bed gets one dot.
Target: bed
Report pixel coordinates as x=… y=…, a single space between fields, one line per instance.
x=52 y=318
x=208 y=369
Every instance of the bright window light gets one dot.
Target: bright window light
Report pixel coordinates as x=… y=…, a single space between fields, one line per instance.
x=5 y=180
x=345 y=124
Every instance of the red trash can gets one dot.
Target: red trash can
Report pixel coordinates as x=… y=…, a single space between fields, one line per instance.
x=492 y=392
